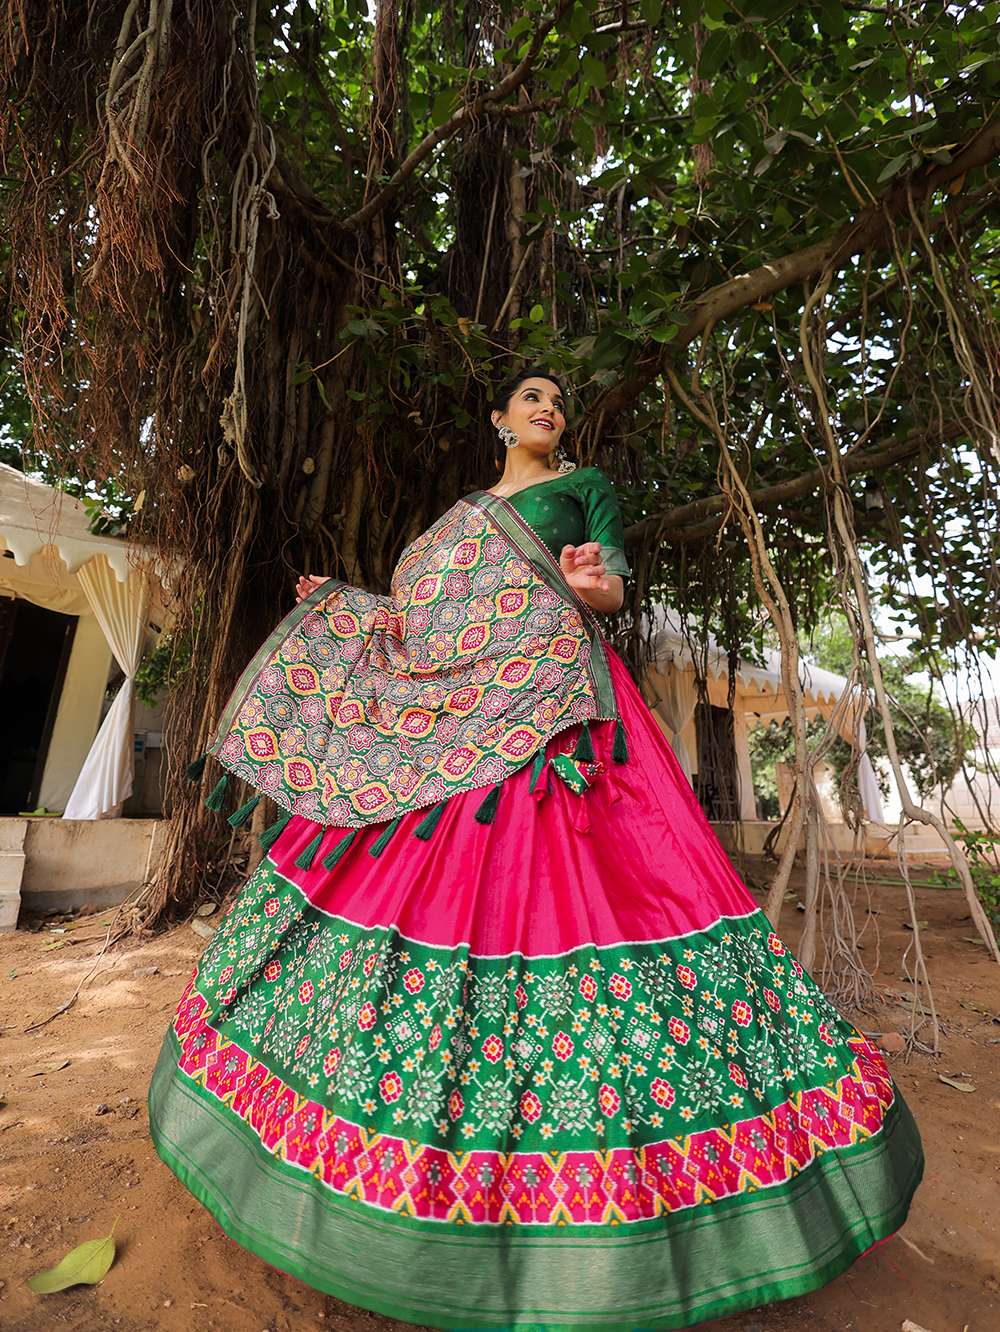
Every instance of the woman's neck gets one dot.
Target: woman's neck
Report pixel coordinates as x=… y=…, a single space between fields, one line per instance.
x=525 y=471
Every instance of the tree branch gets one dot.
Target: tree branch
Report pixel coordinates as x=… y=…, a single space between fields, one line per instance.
x=504 y=87
x=867 y=231
x=701 y=518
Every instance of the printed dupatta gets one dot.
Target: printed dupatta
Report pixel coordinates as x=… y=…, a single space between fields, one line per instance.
x=360 y=708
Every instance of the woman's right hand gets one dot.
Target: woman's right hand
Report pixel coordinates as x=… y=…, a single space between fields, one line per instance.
x=308 y=583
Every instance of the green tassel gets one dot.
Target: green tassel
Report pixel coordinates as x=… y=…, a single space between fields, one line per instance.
x=379 y=845
x=305 y=858
x=488 y=808
x=331 y=858
x=195 y=769
x=620 y=750
x=216 y=798
x=270 y=835
x=536 y=769
x=584 y=745
x=429 y=822
x=240 y=816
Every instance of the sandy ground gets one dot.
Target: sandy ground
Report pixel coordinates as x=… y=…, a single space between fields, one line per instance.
x=75 y=1154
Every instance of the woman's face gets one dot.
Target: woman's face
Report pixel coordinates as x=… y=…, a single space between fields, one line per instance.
x=536 y=412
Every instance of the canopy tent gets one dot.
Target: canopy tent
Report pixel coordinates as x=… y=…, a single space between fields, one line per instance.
x=762 y=694
x=52 y=559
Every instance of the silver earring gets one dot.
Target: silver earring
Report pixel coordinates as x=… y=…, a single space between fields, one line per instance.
x=508 y=437
x=564 y=464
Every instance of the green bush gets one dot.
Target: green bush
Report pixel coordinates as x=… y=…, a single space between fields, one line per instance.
x=980 y=847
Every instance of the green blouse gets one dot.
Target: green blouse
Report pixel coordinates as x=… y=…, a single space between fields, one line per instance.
x=578 y=506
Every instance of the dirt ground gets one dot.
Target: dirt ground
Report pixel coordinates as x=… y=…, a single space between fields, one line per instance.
x=75 y=1153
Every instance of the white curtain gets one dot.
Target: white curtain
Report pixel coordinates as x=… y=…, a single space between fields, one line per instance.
x=871 y=796
x=677 y=703
x=852 y=729
x=105 y=781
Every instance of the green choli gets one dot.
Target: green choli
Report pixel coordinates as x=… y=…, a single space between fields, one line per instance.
x=576 y=507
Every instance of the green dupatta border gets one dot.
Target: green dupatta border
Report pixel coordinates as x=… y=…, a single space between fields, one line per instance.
x=263 y=654
x=529 y=543
x=700 y=1263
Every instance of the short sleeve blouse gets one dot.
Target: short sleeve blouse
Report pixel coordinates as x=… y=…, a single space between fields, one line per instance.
x=578 y=506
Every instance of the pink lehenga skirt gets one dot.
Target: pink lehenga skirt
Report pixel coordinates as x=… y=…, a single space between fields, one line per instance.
x=550 y=1067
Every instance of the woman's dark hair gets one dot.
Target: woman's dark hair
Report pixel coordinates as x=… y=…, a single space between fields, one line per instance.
x=506 y=391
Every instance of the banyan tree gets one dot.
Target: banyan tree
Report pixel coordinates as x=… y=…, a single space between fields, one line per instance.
x=263 y=265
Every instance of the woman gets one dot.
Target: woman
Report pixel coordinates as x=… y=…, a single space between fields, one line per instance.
x=495 y=1036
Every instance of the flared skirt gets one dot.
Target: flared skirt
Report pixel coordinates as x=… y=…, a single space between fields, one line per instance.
x=542 y=1065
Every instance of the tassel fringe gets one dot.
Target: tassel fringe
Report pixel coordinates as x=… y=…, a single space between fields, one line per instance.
x=216 y=798
x=382 y=841
x=304 y=860
x=536 y=770
x=584 y=745
x=541 y=789
x=195 y=769
x=429 y=822
x=487 y=810
x=240 y=816
x=619 y=751
x=271 y=834
x=333 y=856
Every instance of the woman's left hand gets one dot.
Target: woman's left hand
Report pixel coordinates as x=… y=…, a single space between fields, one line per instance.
x=308 y=583
x=583 y=567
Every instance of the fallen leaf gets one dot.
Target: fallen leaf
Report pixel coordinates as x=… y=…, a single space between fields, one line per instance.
x=83 y=1266
x=908 y=1326
x=53 y=1065
x=953 y=1082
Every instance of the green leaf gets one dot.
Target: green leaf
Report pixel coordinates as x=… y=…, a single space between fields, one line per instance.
x=702 y=128
x=594 y=73
x=536 y=314
x=444 y=104
x=583 y=136
x=83 y=1266
x=782 y=217
x=832 y=18
x=517 y=28
x=891 y=168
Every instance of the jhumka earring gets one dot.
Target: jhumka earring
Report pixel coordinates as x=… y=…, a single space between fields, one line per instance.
x=508 y=437
x=563 y=463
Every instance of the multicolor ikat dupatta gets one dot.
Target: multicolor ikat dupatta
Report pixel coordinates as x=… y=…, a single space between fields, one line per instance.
x=360 y=708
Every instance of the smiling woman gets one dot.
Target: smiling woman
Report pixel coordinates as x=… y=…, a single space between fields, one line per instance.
x=575 y=519
x=495 y=1036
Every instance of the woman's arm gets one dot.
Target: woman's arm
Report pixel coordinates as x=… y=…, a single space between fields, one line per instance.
x=584 y=570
